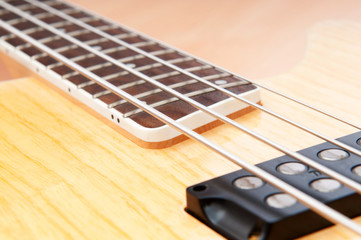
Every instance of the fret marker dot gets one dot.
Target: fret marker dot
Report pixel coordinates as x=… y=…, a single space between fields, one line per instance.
x=280 y=200
x=248 y=182
x=130 y=65
x=325 y=185
x=220 y=82
x=333 y=154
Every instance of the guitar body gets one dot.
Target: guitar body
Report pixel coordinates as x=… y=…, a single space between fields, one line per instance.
x=66 y=173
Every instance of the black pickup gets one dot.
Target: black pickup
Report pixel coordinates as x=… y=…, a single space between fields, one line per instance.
x=239 y=205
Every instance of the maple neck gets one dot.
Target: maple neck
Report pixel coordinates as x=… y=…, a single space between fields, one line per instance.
x=90 y=41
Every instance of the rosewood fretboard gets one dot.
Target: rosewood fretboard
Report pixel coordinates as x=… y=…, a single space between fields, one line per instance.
x=137 y=60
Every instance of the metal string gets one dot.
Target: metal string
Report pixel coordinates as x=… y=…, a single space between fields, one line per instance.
x=319 y=110
x=315 y=205
x=274 y=181
x=221 y=89
x=346 y=181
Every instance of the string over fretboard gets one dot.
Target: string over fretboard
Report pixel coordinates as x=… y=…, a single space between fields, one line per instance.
x=144 y=55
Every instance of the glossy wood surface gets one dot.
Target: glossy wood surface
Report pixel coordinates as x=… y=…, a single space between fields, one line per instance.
x=253 y=38
x=66 y=174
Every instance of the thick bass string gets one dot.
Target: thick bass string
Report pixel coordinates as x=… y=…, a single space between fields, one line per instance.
x=141 y=56
x=22 y=30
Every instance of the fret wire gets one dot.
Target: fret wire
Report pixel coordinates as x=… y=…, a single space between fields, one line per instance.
x=317 y=206
x=39 y=55
x=146 y=67
x=114 y=49
x=175 y=85
x=82 y=85
x=179 y=60
x=78 y=32
x=69 y=75
x=143 y=44
x=32 y=30
x=160 y=52
x=15 y=21
x=87 y=19
x=124 y=35
x=189 y=94
x=153 y=105
x=21 y=47
x=57 y=64
x=65 y=48
x=346 y=181
x=131 y=58
x=274 y=91
x=123 y=86
x=42 y=15
x=70 y=11
x=81 y=57
x=7 y=37
x=25 y=6
x=192 y=69
x=48 y=39
x=60 y=24
x=165 y=75
x=303 y=103
x=148 y=93
x=229 y=93
x=98 y=66
x=145 y=94
x=221 y=75
x=107 y=77
x=96 y=41
x=107 y=27
x=114 y=75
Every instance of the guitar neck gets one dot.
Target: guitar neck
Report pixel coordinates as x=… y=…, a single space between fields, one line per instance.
x=121 y=57
x=65 y=174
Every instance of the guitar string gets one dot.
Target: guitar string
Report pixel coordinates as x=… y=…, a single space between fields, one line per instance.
x=200 y=79
x=274 y=91
x=341 y=178
x=314 y=204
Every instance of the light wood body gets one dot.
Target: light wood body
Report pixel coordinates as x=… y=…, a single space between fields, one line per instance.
x=66 y=174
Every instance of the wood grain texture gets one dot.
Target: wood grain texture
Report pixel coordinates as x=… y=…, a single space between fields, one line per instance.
x=66 y=174
x=254 y=38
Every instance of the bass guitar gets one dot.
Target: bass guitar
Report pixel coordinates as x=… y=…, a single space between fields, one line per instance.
x=113 y=126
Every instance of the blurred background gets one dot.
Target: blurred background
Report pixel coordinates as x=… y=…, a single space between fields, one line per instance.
x=255 y=39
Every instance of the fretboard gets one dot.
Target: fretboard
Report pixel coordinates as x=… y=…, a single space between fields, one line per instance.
x=42 y=20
